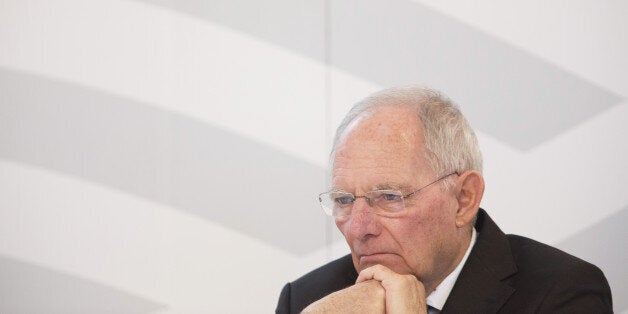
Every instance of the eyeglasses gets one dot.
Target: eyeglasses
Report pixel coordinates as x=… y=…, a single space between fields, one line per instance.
x=339 y=203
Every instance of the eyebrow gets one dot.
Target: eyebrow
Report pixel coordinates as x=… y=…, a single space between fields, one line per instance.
x=380 y=186
x=391 y=186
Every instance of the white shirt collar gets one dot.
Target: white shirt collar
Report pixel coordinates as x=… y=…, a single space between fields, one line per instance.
x=439 y=296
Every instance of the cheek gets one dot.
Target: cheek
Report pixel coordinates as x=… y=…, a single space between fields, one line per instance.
x=424 y=229
x=425 y=217
x=434 y=212
x=414 y=233
x=342 y=225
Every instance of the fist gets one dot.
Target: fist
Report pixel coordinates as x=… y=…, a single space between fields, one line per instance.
x=364 y=297
x=403 y=293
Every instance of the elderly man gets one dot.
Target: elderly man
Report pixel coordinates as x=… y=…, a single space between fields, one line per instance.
x=406 y=189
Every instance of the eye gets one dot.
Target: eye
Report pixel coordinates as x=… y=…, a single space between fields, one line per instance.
x=343 y=199
x=391 y=197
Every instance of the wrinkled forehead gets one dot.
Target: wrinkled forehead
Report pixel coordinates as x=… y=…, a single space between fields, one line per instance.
x=389 y=139
x=386 y=128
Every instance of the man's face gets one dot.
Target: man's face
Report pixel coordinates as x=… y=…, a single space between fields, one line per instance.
x=384 y=150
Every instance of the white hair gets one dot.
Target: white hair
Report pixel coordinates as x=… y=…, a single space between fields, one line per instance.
x=450 y=143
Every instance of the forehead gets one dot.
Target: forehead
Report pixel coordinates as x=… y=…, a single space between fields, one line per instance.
x=381 y=146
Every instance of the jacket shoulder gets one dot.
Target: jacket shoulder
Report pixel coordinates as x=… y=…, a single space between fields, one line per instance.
x=531 y=255
x=331 y=277
x=558 y=281
x=337 y=273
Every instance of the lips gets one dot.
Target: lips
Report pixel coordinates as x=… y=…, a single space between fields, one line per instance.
x=373 y=258
x=369 y=255
x=372 y=254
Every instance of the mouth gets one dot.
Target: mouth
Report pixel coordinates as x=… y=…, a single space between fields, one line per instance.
x=375 y=258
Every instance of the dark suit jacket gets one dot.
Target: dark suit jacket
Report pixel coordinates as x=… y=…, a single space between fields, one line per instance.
x=503 y=274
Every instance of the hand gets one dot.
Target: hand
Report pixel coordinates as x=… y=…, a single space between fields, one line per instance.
x=364 y=297
x=404 y=293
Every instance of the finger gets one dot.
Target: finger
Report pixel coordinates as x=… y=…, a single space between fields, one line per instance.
x=406 y=296
x=377 y=272
x=404 y=293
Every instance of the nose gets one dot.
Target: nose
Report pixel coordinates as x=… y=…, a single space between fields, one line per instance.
x=363 y=221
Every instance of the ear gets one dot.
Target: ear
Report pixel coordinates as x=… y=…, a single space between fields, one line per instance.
x=470 y=193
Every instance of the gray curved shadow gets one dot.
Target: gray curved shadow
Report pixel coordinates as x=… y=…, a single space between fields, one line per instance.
x=26 y=288
x=506 y=92
x=164 y=157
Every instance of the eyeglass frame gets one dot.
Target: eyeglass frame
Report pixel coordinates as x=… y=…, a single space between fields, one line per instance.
x=369 y=201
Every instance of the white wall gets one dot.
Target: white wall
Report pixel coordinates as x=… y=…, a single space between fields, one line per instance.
x=164 y=156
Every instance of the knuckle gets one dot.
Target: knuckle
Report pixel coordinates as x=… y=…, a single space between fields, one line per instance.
x=409 y=280
x=378 y=267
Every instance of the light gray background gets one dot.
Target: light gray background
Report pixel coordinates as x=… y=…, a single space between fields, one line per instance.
x=165 y=156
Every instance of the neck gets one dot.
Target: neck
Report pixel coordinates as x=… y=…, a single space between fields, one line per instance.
x=465 y=242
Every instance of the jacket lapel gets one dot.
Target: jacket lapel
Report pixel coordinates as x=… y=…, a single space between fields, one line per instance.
x=481 y=287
